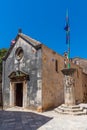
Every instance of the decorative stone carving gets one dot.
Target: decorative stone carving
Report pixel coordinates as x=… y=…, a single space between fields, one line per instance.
x=68 y=81
x=69 y=90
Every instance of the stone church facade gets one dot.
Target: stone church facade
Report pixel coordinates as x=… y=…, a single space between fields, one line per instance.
x=32 y=76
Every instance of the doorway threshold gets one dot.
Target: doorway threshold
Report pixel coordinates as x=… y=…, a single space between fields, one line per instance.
x=15 y=108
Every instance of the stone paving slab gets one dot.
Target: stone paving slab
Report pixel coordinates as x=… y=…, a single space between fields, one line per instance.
x=17 y=119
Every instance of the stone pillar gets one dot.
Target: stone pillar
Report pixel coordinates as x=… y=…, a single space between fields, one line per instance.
x=69 y=94
x=69 y=106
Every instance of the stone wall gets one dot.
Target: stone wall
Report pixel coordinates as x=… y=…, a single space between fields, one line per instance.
x=84 y=86
x=78 y=83
x=52 y=79
x=0 y=94
x=30 y=64
x=81 y=62
x=0 y=89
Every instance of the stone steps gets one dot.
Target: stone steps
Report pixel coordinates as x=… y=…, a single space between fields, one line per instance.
x=71 y=107
x=70 y=110
x=75 y=110
x=71 y=113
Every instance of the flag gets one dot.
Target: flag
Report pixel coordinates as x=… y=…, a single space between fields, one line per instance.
x=12 y=42
x=67 y=28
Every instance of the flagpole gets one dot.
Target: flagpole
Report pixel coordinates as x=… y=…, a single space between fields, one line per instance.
x=67 y=29
x=69 y=50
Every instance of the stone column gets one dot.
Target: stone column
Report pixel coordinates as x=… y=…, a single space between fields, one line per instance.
x=69 y=94
x=69 y=106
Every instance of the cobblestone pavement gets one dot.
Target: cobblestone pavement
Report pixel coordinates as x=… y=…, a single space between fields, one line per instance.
x=16 y=119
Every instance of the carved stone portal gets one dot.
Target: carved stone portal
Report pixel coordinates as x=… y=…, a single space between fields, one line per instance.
x=15 y=95
x=18 y=89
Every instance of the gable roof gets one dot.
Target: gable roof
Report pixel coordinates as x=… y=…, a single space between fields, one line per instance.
x=36 y=44
x=29 y=39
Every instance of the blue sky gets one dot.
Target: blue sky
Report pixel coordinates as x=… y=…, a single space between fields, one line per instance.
x=44 y=20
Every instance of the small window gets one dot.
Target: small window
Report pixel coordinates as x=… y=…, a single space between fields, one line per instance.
x=56 y=65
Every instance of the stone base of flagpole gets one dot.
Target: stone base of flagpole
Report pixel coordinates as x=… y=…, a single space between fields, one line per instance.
x=71 y=110
x=69 y=106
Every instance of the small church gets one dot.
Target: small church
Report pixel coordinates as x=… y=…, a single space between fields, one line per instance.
x=32 y=76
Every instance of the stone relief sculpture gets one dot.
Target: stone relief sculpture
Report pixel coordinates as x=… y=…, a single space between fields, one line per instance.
x=68 y=81
x=69 y=90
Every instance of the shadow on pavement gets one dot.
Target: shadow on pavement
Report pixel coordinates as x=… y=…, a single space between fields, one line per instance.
x=16 y=120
